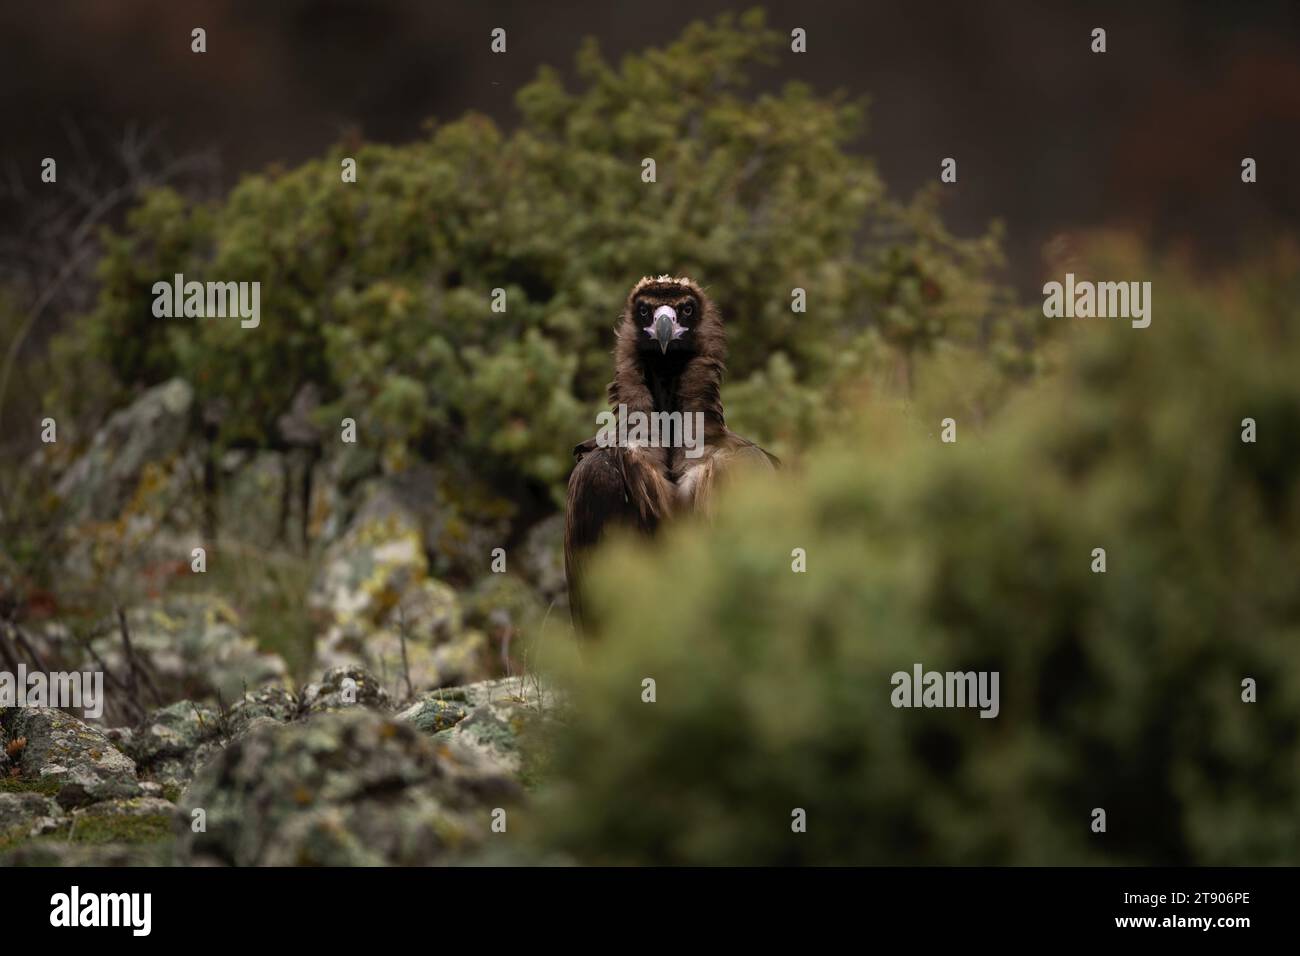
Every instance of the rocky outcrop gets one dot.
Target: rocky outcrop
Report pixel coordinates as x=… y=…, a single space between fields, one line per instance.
x=326 y=776
x=27 y=814
x=151 y=430
x=174 y=742
x=135 y=831
x=344 y=788
x=459 y=520
x=403 y=600
x=188 y=646
x=193 y=646
x=273 y=702
x=75 y=761
x=435 y=713
x=385 y=612
x=505 y=720
x=131 y=505
x=342 y=688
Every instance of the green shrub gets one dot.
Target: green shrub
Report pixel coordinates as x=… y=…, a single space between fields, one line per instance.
x=380 y=291
x=1120 y=690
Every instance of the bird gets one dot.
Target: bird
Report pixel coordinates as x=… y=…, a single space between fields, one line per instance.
x=670 y=356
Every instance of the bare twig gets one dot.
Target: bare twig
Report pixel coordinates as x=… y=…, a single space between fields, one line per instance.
x=21 y=635
x=401 y=636
x=49 y=255
x=7 y=649
x=135 y=664
x=85 y=642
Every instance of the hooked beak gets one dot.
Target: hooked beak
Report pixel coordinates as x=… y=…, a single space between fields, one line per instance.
x=665 y=328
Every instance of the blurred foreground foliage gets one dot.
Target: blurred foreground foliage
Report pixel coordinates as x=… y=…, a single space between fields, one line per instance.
x=380 y=291
x=1120 y=690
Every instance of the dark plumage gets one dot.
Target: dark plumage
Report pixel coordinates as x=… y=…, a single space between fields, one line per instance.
x=670 y=356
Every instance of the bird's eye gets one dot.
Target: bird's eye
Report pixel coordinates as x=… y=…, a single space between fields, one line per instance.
x=688 y=310
x=644 y=310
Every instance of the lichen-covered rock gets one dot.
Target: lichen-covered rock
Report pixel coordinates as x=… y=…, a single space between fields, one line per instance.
x=144 y=547
x=125 y=831
x=24 y=815
x=507 y=721
x=172 y=743
x=348 y=788
x=382 y=609
x=510 y=692
x=151 y=429
x=75 y=854
x=271 y=702
x=126 y=807
x=377 y=559
x=173 y=731
x=459 y=517
x=194 y=646
x=120 y=737
x=434 y=714
x=342 y=688
x=334 y=479
x=188 y=645
x=130 y=506
x=71 y=755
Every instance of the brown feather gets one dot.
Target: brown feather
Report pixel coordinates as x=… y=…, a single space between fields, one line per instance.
x=641 y=487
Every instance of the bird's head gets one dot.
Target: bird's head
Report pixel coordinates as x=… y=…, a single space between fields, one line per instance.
x=671 y=315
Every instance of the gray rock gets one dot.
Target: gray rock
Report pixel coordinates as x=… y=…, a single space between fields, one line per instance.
x=27 y=814
x=127 y=807
x=255 y=725
x=272 y=499
x=383 y=610
x=191 y=646
x=71 y=755
x=272 y=702
x=149 y=430
x=459 y=518
x=297 y=426
x=195 y=647
x=120 y=737
x=72 y=855
x=506 y=719
x=509 y=692
x=433 y=714
x=173 y=731
x=342 y=688
x=172 y=743
x=348 y=788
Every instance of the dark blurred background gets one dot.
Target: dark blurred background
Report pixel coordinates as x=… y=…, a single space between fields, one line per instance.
x=1049 y=137
x=324 y=557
